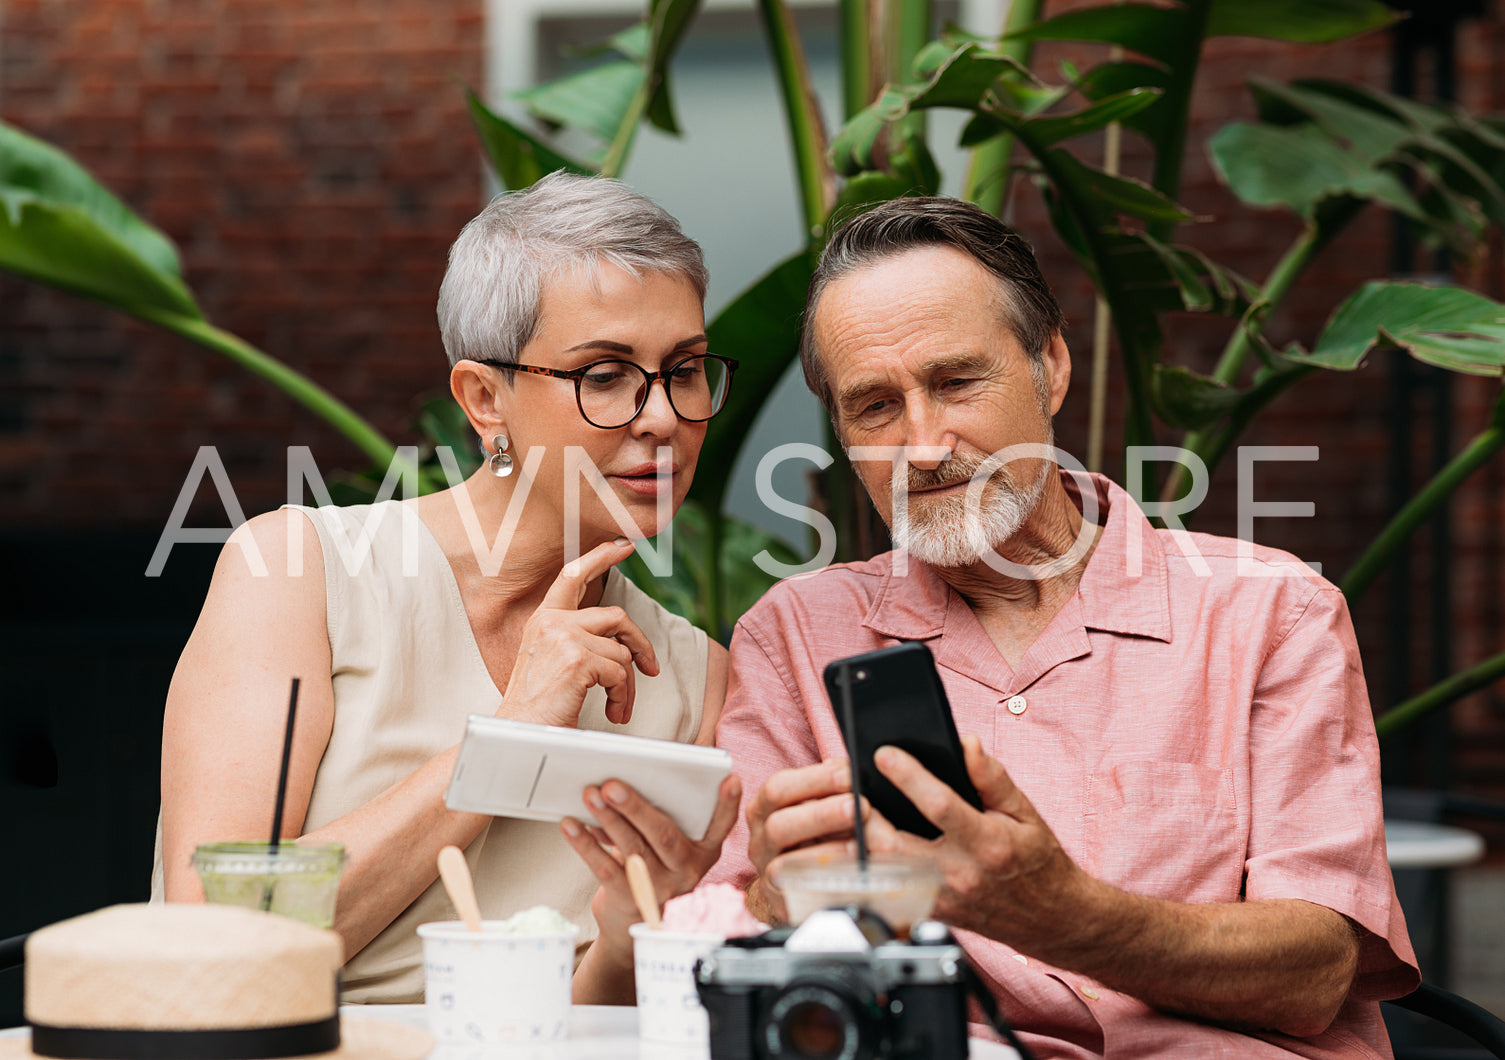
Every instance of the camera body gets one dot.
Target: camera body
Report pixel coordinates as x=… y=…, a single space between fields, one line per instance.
x=839 y=986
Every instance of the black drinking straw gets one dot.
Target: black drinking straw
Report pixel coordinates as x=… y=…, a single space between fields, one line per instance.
x=849 y=724
x=287 y=755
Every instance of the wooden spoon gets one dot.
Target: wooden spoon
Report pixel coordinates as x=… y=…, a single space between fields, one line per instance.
x=462 y=892
x=642 y=890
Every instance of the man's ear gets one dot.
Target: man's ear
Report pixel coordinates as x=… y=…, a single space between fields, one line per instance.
x=1057 y=359
x=482 y=394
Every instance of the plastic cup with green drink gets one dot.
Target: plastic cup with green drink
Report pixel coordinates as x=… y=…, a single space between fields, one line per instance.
x=296 y=880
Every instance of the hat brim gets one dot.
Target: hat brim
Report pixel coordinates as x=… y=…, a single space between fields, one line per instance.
x=361 y=1038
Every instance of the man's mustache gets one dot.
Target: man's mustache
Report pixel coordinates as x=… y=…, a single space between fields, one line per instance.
x=956 y=471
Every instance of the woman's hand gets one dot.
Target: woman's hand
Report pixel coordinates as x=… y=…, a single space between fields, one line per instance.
x=629 y=824
x=566 y=649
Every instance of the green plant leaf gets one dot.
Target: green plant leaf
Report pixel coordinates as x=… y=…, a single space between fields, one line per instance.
x=761 y=330
x=1377 y=132
x=967 y=78
x=913 y=164
x=1189 y=401
x=633 y=42
x=1113 y=78
x=595 y=100
x=851 y=150
x=1299 y=167
x=1456 y=160
x=1301 y=21
x=1201 y=284
x=1370 y=133
x=519 y=158
x=61 y=227
x=1446 y=326
x=1045 y=131
x=1110 y=193
x=866 y=190
x=1152 y=31
x=968 y=75
x=670 y=20
x=35 y=171
x=442 y=422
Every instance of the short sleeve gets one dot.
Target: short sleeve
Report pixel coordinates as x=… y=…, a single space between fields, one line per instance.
x=1317 y=829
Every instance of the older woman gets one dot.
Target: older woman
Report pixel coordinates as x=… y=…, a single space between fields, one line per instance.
x=572 y=314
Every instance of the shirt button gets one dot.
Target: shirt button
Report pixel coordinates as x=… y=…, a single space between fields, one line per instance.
x=1016 y=704
x=1089 y=993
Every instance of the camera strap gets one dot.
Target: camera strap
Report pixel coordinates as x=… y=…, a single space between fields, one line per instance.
x=989 y=1005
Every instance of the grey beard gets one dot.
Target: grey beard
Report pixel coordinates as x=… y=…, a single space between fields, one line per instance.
x=954 y=533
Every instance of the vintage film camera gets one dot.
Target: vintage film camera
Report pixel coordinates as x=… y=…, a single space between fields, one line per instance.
x=839 y=987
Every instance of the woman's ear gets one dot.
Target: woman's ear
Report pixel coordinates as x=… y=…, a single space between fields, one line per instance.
x=482 y=394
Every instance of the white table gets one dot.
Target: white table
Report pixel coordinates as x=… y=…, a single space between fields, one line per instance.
x=1424 y=845
x=597 y=1032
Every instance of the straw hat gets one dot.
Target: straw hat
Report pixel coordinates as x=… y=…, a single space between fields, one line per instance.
x=200 y=981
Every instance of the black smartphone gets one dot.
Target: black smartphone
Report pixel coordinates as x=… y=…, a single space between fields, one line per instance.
x=898 y=699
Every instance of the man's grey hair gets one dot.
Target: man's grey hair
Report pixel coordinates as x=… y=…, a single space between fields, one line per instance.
x=505 y=258
x=1025 y=300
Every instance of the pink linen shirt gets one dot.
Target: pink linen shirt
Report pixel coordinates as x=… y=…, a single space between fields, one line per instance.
x=1193 y=725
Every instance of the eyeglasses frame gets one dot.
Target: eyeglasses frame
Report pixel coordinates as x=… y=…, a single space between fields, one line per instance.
x=577 y=374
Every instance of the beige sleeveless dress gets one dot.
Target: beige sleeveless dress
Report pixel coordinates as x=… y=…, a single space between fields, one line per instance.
x=407 y=672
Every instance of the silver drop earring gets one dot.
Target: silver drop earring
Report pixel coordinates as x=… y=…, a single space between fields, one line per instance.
x=500 y=463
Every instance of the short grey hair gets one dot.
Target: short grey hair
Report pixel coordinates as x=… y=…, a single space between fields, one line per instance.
x=508 y=254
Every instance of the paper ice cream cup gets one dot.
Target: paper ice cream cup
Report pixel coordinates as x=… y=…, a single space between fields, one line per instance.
x=669 y=1009
x=493 y=987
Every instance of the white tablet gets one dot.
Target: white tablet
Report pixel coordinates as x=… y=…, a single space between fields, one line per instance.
x=540 y=772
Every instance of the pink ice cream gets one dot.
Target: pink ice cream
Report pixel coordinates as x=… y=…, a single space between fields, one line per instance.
x=715 y=909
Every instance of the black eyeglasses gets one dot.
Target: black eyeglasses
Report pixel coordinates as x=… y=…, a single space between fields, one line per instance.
x=612 y=393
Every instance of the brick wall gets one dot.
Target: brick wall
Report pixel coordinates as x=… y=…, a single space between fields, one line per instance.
x=313 y=160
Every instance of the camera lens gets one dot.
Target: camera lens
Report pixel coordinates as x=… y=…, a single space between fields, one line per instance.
x=814 y=1031
x=814 y=1021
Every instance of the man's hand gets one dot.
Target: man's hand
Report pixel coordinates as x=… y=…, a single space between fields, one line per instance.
x=1275 y=964
x=1004 y=875
x=796 y=809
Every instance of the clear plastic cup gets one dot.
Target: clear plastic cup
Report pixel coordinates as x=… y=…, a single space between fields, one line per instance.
x=901 y=890
x=292 y=879
x=496 y=987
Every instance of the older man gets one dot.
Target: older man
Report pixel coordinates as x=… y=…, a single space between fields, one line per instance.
x=1181 y=850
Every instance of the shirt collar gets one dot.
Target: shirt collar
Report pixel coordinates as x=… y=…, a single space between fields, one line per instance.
x=1125 y=588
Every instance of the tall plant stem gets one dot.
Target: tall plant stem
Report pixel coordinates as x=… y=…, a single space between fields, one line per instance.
x=1441 y=694
x=1170 y=152
x=616 y=155
x=987 y=181
x=1277 y=285
x=299 y=387
x=817 y=183
x=1418 y=510
x=906 y=30
x=1102 y=321
x=858 y=85
x=1240 y=345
